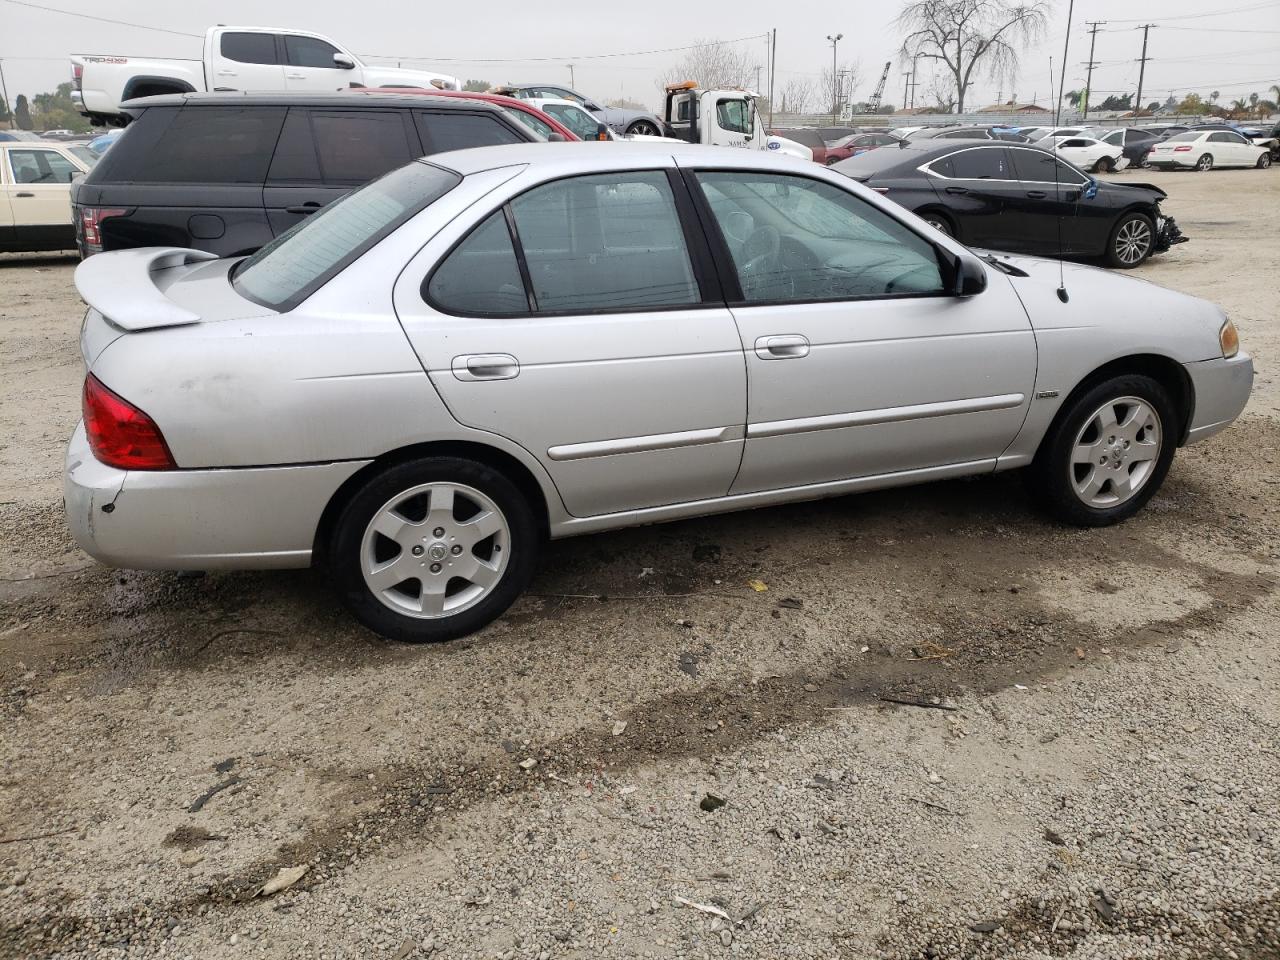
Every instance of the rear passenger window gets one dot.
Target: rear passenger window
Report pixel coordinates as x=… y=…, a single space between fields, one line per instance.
x=981 y=164
x=357 y=147
x=211 y=145
x=458 y=131
x=295 y=159
x=250 y=47
x=481 y=276
x=605 y=242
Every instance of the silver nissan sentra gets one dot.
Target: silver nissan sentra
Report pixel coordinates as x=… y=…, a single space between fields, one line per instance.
x=430 y=376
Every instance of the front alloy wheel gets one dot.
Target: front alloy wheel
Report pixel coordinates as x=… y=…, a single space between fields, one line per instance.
x=433 y=549
x=1264 y=161
x=643 y=128
x=1107 y=452
x=1132 y=241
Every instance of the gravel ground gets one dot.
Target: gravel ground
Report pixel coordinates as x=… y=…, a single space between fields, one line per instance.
x=1086 y=764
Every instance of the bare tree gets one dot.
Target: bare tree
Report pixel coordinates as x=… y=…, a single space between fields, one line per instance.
x=968 y=36
x=942 y=92
x=713 y=64
x=795 y=95
x=850 y=77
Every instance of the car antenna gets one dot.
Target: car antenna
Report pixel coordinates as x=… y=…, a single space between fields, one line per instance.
x=1066 y=42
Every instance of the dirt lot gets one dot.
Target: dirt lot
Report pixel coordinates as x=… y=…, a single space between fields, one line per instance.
x=1100 y=782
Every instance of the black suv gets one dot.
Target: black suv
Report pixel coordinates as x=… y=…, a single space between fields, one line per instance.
x=228 y=172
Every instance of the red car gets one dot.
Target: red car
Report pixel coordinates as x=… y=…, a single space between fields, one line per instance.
x=858 y=143
x=531 y=116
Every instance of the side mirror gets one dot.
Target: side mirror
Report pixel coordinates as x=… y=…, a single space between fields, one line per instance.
x=602 y=132
x=592 y=106
x=970 y=276
x=554 y=137
x=343 y=62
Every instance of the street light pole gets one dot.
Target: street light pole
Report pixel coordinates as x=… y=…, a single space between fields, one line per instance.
x=835 y=76
x=571 y=83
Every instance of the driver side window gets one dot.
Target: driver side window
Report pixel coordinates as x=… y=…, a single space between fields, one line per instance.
x=794 y=240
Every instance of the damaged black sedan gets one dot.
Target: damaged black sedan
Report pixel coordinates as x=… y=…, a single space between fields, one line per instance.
x=1019 y=198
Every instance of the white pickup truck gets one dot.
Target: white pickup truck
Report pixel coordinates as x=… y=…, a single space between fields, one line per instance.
x=236 y=58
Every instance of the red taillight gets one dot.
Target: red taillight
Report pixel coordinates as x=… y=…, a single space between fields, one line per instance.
x=77 y=74
x=121 y=435
x=91 y=220
x=1181 y=149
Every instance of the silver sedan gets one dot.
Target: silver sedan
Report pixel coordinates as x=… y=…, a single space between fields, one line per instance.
x=426 y=379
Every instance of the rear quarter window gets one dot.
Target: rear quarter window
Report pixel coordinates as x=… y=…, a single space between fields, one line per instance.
x=453 y=130
x=199 y=145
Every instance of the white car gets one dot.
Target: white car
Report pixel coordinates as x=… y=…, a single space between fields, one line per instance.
x=35 y=194
x=1206 y=149
x=1086 y=152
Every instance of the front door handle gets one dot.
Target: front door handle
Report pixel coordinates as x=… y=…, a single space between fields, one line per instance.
x=304 y=209
x=24 y=194
x=782 y=347
x=958 y=191
x=1036 y=194
x=486 y=366
x=294 y=76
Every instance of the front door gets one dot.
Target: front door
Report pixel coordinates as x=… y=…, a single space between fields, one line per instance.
x=732 y=120
x=1052 y=209
x=309 y=65
x=247 y=60
x=571 y=321
x=859 y=361
x=40 y=190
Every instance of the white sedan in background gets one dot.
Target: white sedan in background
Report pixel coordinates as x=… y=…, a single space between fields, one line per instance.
x=1086 y=153
x=1206 y=149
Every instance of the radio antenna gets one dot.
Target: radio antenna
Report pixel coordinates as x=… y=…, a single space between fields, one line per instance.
x=1057 y=110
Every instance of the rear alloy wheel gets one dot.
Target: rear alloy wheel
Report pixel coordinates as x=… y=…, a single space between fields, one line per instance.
x=1107 y=456
x=1131 y=242
x=1264 y=161
x=433 y=549
x=1205 y=162
x=644 y=128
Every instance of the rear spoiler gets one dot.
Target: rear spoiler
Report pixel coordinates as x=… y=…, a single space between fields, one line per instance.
x=121 y=286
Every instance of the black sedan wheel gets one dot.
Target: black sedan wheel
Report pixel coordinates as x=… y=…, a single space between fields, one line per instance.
x=644 y=128
x=1205 y=162
x=1131 y=241
x=938 y=222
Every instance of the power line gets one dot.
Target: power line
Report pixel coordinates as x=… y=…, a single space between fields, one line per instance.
x=89 y=16
x=1215 y=13
x=581 y=56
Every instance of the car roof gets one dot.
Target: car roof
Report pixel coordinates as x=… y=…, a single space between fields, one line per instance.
x=569 y=158
x=24 y=144
x=366 y=98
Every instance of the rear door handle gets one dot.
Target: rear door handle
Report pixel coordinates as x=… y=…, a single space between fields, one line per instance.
x=309 y=207
x=1036 y=194
x=294 y=76
x=486 y=366
x=782 y=347
x=24 y=194
x=958 y=190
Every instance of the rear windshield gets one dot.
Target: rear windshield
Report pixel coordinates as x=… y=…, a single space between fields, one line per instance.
x=1183 y=137
x=300 y=261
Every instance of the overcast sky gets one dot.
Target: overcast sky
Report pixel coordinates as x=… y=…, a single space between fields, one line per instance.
x=1234 y=49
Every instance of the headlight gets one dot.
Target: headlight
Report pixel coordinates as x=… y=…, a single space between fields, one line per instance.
x=1229 y=339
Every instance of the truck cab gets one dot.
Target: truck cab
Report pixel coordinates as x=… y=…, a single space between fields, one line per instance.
x=722 y=118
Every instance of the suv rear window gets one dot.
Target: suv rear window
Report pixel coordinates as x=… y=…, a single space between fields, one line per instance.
x=204 y=145
x=302 y=260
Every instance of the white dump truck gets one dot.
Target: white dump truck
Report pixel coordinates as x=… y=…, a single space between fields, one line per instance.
x=236 y=58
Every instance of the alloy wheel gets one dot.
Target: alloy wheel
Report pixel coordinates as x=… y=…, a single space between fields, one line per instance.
x=1115 y=452
x=1205 y=163
x=643 y=128
x=435 y=550
x=1133 y=241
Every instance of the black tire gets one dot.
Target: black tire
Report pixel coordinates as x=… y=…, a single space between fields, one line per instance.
x=1103 y=165
x=1205 y=163
x=1049 y=478
x=646 y=128
x=1120 y=252
x=1264 y=161
x=345 y=555
x=938 y=221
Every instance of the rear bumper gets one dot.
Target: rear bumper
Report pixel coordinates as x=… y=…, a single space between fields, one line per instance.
x=245 y=518
x=1166 y=162
x=1222 y=389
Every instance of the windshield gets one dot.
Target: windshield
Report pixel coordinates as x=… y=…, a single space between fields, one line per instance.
x=536 y=124
x=300 y=261
x=1184 y=137
x=575 y=118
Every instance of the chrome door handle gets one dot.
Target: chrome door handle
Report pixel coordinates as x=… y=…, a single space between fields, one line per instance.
x=785 y=347
x=486 y=366
x=294 y=76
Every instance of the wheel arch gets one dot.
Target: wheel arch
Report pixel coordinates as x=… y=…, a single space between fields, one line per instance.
x=145 y=86
x=941 y=213
x=1166 y=371
x=517 y=472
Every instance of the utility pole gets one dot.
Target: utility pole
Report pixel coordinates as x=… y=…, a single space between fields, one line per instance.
x=757 y=79
x=906 y=86
x=1142 y=69
x=1088 y=77
x=835 y=77
x=913 y=84
x=572 y=84
x=1062 y=76
x=4 y=97
x=773 y=59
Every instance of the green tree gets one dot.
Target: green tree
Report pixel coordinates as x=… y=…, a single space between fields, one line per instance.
x=22 y=113
x=4 y=112
x=1191 y=104
x=1076 y=97
x=55 y=111
x=476 y=86
x=1117 y=103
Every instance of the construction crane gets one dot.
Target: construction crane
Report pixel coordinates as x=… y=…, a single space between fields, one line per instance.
x=873 y=104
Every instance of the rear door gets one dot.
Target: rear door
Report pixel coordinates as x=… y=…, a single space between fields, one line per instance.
x=308 y=64
x=604 y=348
x=978 y=184
x=323 y=154
x=6 y=201
x=247 y=60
